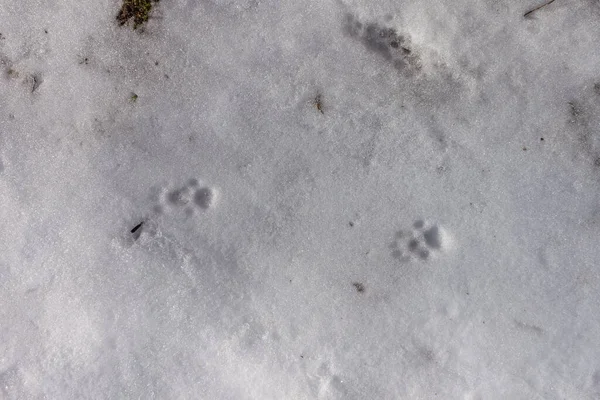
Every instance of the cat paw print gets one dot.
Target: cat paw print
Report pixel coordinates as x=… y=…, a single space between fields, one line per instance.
x=420 y=242
x=191 y=197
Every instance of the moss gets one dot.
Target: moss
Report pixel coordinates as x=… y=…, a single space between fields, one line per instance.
x=138 y=10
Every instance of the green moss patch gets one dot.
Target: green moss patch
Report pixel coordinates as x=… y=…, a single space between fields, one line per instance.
x=136 y=10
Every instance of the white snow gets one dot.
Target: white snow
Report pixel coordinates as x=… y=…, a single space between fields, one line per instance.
x=431 y=232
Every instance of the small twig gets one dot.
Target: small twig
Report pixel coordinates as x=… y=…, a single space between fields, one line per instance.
x=537 y=8
x=35 y=81
x=138 y=226
x=318 y=102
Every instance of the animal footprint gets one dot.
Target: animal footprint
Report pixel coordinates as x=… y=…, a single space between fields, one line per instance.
x=423 y=240
x=191 y=197
x=394 y=47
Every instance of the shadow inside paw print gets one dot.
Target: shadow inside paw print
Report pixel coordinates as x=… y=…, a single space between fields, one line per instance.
x=203 y=198
x=190 y=197
x=179 y=197
x=418 y=243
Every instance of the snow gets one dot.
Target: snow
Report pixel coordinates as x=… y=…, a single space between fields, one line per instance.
x=429 y=231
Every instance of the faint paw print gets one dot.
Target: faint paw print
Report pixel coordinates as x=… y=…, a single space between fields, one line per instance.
x=393 y=46
x=190 y=197
x=418 y=243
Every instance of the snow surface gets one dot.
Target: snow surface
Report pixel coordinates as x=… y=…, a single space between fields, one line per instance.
x=431 y=230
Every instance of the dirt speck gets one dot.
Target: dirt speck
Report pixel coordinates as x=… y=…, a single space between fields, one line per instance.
x=360 y=288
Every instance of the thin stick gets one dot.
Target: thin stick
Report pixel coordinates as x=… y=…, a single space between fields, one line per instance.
x=138 y=226
x=319 y=103
x=537 y=8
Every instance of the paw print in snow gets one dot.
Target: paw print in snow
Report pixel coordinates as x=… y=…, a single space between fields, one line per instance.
x=418 y=243
x=386 y=41
x=191 y=197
